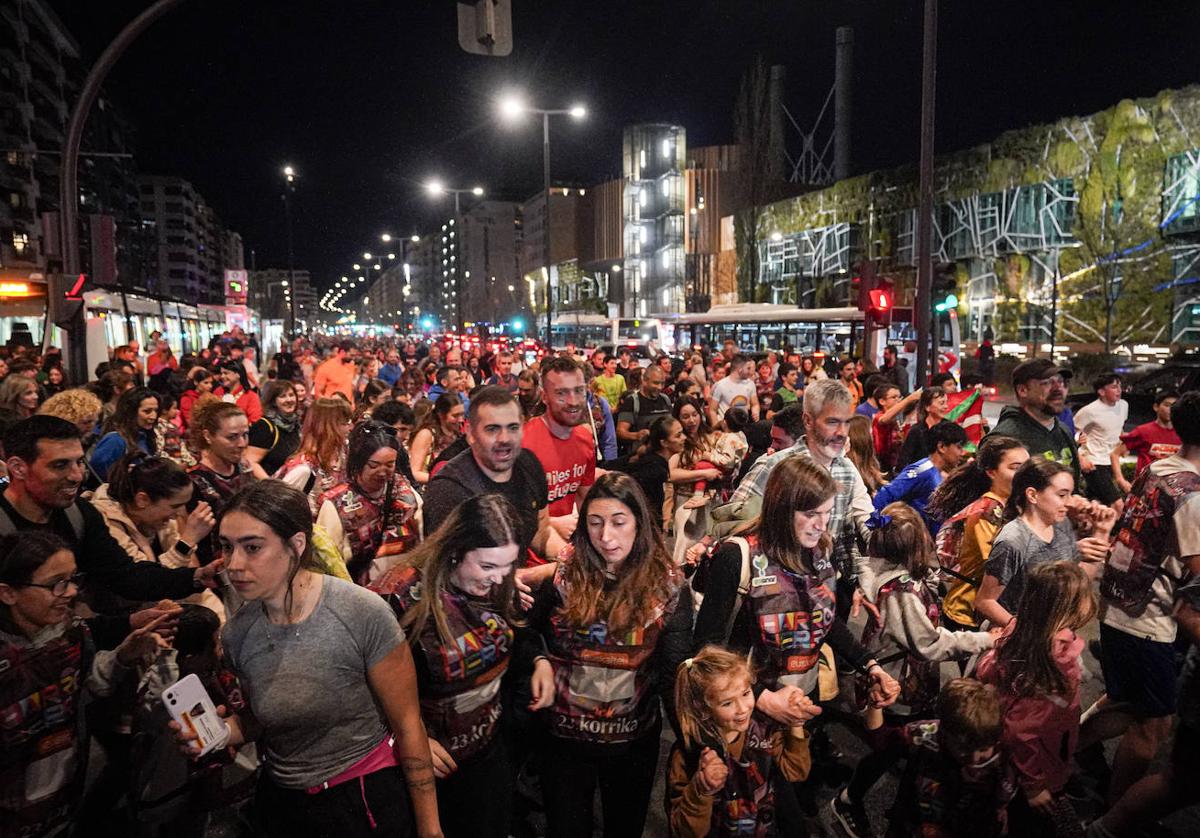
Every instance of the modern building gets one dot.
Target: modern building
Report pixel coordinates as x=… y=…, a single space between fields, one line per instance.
x=1084 y=232
x=654 y=160
x=711 y=197
x=271 y=290
x=489 y=247
x=570 y=229
x=194 y=248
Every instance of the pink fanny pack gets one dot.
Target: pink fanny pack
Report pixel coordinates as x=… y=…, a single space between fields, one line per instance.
x=381 y=756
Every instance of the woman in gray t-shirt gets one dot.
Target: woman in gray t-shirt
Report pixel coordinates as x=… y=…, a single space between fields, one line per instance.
x=1038 y=531
x=328 y=680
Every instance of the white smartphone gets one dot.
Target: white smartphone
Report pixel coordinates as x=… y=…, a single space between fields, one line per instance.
x=188 y=703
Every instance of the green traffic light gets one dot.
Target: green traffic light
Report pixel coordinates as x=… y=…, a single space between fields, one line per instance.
x=951 y=302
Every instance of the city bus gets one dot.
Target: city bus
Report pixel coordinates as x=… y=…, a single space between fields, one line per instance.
x=591 y=330
x=834 y=332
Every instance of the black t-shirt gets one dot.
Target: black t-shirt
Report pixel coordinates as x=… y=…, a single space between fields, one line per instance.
x=461 y=478
x=651 y=473
x=263 y=435
x=640 y=412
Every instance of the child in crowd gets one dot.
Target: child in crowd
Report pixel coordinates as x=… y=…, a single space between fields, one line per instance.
x=720 y=775
x=957 y=780
x=171 y=794
x=1035 y=667
x=726 y=455
x=906 y=637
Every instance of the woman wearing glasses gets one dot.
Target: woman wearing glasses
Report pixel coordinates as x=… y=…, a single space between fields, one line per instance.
x=44 y=646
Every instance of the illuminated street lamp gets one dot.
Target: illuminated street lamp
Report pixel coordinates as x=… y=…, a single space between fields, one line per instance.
x=436 y=188
x=512 y=106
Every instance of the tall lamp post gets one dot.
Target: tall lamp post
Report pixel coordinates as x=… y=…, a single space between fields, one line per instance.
x=437 y=188
x=289 y=188
x=405 y=245
x=511 y=108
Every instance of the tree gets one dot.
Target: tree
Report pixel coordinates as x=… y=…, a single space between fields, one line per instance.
x=757 y=175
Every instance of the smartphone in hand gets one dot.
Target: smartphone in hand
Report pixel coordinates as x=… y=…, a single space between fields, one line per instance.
x=188 y=703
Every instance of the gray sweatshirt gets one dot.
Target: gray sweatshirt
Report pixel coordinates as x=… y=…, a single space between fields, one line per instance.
x=906 y=625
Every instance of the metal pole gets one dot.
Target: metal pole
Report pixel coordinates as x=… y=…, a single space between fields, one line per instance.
x=291 y=296
x=546 y=225
x=923 y=302
x=456 y=252
x=68 y=174
x=843 y=103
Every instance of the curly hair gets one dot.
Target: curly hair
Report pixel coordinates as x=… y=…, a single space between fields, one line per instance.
x=77 y=405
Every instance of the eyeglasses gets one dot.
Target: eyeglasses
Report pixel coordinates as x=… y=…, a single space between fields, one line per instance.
x=59 y=587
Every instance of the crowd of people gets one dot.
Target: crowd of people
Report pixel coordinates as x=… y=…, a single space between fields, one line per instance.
x=435 y=589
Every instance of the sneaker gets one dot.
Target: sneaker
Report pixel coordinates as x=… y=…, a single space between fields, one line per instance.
x=851 y=816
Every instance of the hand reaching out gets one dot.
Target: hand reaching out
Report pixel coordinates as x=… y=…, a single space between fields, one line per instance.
x=712 y=772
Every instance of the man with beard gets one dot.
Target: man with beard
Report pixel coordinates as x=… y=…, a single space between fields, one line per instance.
x=563 y=443
x=828 y=408
x=494 y=463
x=45 y=467
x=1040 y=387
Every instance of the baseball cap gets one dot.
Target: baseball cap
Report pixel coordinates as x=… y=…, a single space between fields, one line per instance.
x=1038 y=369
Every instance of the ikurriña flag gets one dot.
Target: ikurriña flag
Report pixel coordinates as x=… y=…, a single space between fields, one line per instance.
x=966 y=408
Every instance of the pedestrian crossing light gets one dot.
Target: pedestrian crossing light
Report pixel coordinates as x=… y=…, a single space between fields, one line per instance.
x=948 y=304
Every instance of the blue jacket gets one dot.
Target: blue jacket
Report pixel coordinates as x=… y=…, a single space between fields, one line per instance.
x=608 y=439
x=390 y=373
x=913 y=485
x=111 y=448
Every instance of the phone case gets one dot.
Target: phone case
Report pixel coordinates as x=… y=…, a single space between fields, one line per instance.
x=188 y=703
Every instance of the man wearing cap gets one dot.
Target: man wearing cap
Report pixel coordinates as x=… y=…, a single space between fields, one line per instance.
x=1040 y=387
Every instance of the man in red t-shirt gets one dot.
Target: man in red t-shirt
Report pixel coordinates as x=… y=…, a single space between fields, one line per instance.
x=561 y=439
x=1152 y=441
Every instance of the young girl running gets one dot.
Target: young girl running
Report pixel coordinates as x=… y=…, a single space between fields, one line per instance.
x=906 y=638
x=1035 y=667
x=1038 y=531
x=719 y=777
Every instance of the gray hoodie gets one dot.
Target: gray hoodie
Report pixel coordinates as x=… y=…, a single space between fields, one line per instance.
x=906 y=627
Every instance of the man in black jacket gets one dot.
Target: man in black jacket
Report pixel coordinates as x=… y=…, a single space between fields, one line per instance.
x=1040 y=387
x=45 y=465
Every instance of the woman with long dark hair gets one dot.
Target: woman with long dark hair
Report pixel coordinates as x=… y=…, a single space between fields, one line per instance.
x=437 y=429
x=1037 y=531
x=329 y=681
x=130 y=428
x=456 y=601
x=371 y=515
x=616 y=622
x=971 y=502
x=275 y=436
x=932 y=407
x=685 y=470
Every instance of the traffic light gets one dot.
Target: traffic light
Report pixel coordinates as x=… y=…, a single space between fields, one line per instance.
x=864 y=282
x=64 y=297
x=880 y=301
x=945 y=286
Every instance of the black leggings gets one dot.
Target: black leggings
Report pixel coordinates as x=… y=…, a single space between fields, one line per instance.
x=476 y=800
x=369 y=807
x=569 y=779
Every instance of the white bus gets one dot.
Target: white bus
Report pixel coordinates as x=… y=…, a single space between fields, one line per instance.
x=591 y=330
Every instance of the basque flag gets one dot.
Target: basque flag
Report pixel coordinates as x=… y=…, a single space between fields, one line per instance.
x=966 y=408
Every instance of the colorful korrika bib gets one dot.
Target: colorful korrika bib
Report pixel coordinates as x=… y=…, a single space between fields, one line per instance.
x=793 y=613
x=39 y=729
x=459 y=685
x=1145 y=538
x=362 y=520
x=602 y=682
x=746 y=805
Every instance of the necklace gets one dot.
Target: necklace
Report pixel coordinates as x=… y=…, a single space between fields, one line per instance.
x=278 y=632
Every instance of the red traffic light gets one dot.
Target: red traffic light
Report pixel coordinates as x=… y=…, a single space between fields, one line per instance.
x=881 y=300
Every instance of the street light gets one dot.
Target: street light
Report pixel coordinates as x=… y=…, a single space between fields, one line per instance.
x=512 y=106
x=385 y=238
x=289 y=175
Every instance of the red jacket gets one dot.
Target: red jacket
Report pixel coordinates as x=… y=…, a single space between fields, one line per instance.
x=1040 y=732
x=247 y=400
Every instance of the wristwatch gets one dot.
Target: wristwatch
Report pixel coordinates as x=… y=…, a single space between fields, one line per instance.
x=183 y=547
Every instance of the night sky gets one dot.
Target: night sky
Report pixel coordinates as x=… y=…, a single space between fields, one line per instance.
x=369 y=98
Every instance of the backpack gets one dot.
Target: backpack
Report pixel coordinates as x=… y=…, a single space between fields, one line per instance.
x=74 y=517
x=1144 y=539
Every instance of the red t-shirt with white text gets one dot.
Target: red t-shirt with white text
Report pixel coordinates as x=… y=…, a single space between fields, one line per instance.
x=1151 y=442
x=570 y=464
